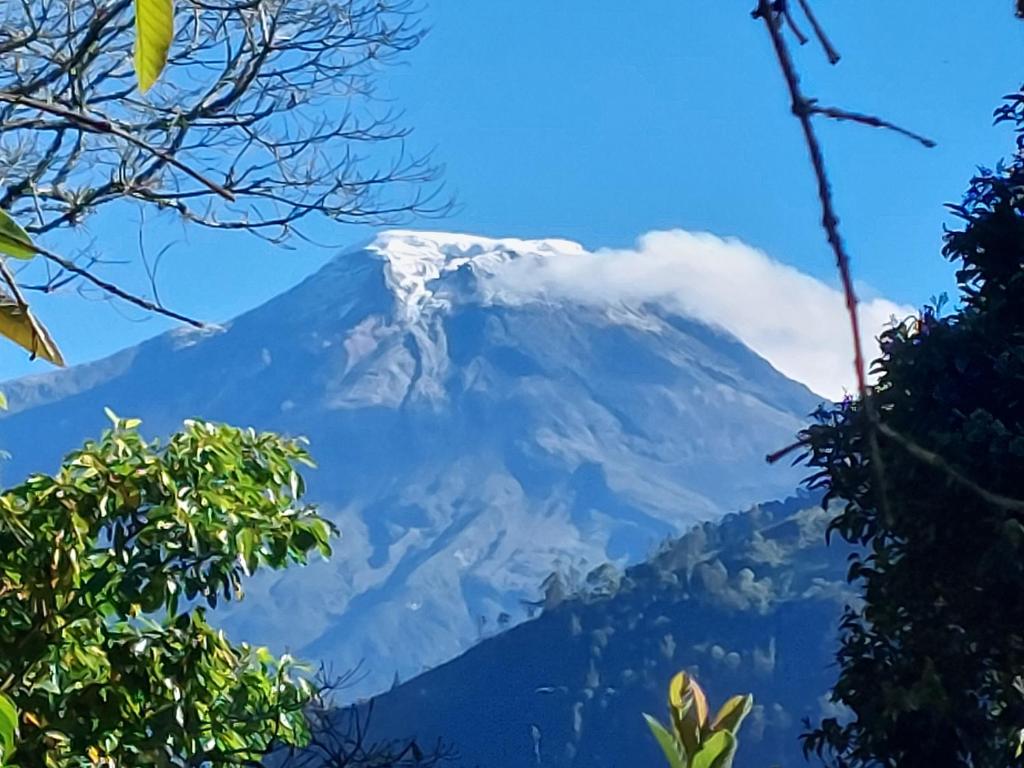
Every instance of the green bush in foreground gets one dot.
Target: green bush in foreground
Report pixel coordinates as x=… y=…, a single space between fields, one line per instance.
x=106 y=572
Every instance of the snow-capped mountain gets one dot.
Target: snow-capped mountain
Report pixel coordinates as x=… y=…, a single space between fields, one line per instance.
x=471 y=435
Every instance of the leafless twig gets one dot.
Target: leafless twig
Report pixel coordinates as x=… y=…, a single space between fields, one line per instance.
x=341 y=739
x=787 y=14
x=801 y=107
x=819 y=32
x=111 y=288
x=101 y=125
x=836 y=113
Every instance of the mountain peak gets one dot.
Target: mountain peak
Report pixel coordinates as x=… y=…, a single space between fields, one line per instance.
x=414 y=259
x=476 y=426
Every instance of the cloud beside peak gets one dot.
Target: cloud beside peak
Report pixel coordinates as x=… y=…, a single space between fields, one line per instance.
x=796 y=322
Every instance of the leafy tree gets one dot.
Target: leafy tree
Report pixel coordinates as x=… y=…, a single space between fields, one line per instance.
x=107 y=570
x=932 y=662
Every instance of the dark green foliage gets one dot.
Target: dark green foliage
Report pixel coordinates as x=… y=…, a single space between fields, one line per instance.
x=931 y=665
x=106 y=571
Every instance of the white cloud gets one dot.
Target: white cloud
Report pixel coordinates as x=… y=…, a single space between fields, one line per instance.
x=795 y=321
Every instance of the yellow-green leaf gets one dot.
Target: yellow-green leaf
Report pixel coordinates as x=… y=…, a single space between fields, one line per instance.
x=688 y=707
x=8 y=727
x=684 y=688
x=14 y=241
x=732 y=713
x=18 y=325
x=154 y=31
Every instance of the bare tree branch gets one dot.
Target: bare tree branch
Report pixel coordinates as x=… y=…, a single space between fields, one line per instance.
x=836 y=113
x=107 y=287
x=804 y=109
x=99 y=125
x=265 y=118
x=340 y=739
x=801 y=107
x=819 y=32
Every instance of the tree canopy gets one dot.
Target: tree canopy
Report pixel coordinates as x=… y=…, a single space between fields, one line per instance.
x=106 y=572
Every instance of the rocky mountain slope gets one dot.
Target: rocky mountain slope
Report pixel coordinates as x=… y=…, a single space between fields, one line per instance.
x=470 y=438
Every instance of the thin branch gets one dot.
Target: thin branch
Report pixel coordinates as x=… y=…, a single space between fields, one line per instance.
x=930 y=458
x=819 y=32
x=782 y=453
x=802 y=109
x=829 y=220
x=99 y=125
x=12 y=283
x=793 y=27
x=114 y=290
x=836 y=113
x=933 y=459
x=268 y=97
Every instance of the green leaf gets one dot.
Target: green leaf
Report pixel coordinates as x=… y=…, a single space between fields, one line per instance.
x=8 y=727
x=716 y=751
x=19 y=325
x=154 y=31
x=14 y=241
x=732 y=713
x=673 y=751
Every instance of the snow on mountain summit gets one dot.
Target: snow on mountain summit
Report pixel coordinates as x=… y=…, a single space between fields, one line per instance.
x=795 y=321
x=414 y=259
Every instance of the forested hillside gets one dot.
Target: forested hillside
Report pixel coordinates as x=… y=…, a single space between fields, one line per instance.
x=747 y=604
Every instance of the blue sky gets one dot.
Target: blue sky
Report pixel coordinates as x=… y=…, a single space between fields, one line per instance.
x=601 y=121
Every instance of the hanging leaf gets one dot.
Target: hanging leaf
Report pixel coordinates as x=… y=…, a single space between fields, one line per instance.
x=154 y=31
x=18 y=325
x=14 y=241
